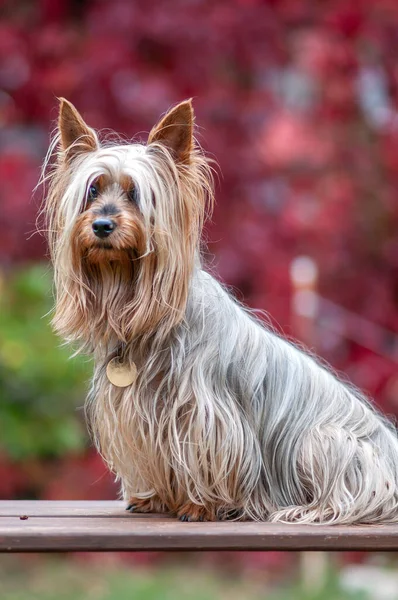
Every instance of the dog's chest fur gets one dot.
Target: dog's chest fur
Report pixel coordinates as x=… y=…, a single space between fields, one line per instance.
x=189 y=396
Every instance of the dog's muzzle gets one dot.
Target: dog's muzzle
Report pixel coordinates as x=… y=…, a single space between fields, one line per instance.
x=103 y=227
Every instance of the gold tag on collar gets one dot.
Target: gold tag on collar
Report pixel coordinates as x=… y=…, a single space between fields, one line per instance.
x=121 y=374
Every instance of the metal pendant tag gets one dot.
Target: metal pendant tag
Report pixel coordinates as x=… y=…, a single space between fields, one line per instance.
x=121 y=374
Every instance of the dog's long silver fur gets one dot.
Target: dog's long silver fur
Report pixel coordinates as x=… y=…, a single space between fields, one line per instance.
x=225 y=413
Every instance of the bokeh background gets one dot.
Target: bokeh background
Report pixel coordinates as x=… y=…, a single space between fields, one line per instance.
x=298 y=102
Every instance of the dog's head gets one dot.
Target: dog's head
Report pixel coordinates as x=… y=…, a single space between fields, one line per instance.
x=124 y=222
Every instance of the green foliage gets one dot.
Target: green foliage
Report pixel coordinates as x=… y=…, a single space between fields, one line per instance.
x=58 y=580
x=330 y=590
x=40 y=386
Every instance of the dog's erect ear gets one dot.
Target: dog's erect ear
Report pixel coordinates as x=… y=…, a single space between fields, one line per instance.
x=75 y=136
x=175 y=131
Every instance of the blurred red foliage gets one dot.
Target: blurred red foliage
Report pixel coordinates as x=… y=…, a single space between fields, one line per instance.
x=73 y=477
x=80 y=478
x=297 y=101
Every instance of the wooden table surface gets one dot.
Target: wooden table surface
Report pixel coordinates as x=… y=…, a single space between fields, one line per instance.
x=46 y=526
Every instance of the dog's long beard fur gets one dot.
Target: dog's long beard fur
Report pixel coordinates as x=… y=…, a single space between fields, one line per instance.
x=225 y=415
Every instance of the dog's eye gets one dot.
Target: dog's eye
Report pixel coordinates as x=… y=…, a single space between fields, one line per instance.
x=92 y=192
x=133 y=195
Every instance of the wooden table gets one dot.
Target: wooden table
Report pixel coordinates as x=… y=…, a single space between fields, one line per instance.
x=41 y=526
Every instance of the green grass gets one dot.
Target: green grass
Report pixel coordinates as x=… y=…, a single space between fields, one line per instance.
x=59 y=579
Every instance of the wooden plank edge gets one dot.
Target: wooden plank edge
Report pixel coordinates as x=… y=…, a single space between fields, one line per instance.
x=136 y=534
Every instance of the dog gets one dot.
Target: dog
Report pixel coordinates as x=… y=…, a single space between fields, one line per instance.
x=197 y=407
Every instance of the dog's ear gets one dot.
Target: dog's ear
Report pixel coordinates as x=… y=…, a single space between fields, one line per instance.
x=175 y=131
x=75 y=136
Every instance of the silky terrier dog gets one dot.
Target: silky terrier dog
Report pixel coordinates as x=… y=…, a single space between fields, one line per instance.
x=198 y=408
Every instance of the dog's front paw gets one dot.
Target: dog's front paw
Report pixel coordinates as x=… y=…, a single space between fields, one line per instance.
x=146 y=505
x=194 y=512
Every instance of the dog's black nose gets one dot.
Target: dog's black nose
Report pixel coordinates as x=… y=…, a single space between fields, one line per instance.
x=103 y=227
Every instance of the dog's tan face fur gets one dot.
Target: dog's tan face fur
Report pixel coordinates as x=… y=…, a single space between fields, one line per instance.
x=118 y=202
